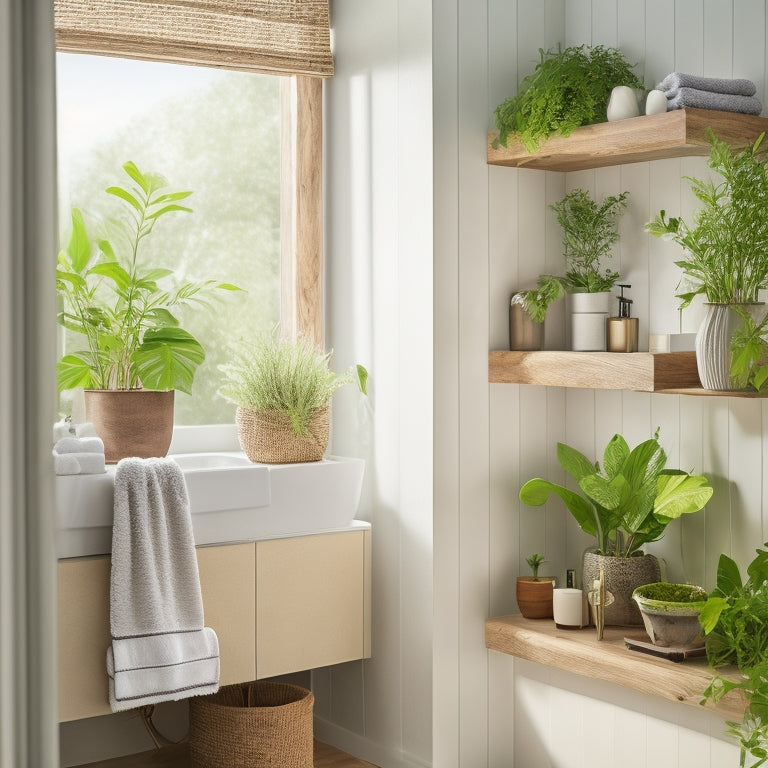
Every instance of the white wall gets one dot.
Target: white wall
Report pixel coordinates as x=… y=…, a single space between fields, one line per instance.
x=493 y=234
x=378 y=201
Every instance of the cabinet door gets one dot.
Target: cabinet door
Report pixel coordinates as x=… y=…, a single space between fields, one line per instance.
x=312 y=601
x=227 y=584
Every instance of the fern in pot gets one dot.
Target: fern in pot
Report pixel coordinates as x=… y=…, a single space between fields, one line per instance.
x=134 y=354
x=528 y=311
x=282 y=389
x=590 y=230
x=725 y=258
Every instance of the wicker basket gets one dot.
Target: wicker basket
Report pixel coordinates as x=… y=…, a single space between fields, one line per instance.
x=267 y=436
x=256 y=725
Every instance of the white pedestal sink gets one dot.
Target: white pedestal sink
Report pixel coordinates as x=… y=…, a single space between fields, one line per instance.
x=231 y=499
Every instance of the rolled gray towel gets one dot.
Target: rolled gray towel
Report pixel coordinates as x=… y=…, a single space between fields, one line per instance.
x=735 y=86
x=725 y=102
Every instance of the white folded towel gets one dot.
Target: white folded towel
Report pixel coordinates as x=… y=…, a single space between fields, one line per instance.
x=79 y=445
x=86 y=429
x=736 y=86
x=78 y=463
x=160 y=649
x=62 y=429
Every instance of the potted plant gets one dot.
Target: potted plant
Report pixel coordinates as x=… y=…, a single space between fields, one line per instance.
x=135 y=353
x=671 y=612
x=625 y=504
x=735 y=624
x=282 y=389
x=589 y=233
x=567 y=88
x=534 y=593
x=528 y=310
x=725 y=257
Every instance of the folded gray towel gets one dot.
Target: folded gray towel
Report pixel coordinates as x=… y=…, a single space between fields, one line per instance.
x=156 y=608
x=736 y=86
x=725 y=102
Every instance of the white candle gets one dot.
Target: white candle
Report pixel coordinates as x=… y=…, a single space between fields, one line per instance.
x=567 y=607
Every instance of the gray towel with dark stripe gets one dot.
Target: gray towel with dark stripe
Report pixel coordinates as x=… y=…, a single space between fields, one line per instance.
x=160 y=648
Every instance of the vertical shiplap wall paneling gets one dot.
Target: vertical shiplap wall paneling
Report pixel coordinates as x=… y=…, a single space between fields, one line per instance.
x=692 y=527
x=474 y=594
x=578 y=22
x=749 y=49
x=717 y=34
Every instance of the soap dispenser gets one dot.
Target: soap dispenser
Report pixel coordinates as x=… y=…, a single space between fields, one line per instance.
x=621 y=331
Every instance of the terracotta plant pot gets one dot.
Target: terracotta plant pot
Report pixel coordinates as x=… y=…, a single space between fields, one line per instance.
x=534 y=596
x=622 y=576
x=135 y=422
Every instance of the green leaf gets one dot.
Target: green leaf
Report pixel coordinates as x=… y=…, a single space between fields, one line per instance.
x=614 y=456
x=155 y=274
x=124 y=194
x=537 y=491
x=228 y=287
x=757 y=570
x=131 y=169
x=167 y=209
x=106 y=248
x=680 y=494
x=167 y=359
x=161 y=317
x=710 y=613
x=75 y=370
x=113 y=271
x=171 y=197
x=728 y=576
x=73 y=278
x=79 y=247
x=602 y=491
x=362 y=378
x=574 y=462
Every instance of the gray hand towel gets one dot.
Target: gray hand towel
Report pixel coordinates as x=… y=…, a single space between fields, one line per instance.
x=736 y=86
x=160 y=649
x=725 y=102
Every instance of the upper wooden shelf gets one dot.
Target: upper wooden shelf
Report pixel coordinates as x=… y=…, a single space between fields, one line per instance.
x=579 y=652
x=680 y=133
x=672 y=373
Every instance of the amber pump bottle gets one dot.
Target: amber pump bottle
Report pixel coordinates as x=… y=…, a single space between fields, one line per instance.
x=621 y=331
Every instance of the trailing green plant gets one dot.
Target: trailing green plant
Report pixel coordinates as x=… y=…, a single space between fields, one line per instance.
x=629 y=501
x=735 y=622
x=284 y=375
x=568 y=88
x=536 y=301
x=534 y=562
x=589 y=232
x=117 y=304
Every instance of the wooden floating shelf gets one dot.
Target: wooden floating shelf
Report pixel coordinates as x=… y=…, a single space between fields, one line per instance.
x=669 y=373
x=579 y=652
x=177 y=756
x=680 y=133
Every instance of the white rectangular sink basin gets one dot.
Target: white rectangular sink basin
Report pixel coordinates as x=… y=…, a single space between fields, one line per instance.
x=231 y=499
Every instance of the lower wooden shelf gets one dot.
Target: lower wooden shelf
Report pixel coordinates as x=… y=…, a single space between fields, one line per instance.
x=579 y=652
x=177 y=756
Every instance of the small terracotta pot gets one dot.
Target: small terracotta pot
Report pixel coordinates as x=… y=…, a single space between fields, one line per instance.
x=131 y=422
x=534 y=596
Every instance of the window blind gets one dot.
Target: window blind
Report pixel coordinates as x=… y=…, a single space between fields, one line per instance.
x=284 y=37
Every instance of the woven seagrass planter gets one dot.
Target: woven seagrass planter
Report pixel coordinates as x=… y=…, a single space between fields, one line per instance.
x=256 y=725
x=267 y=436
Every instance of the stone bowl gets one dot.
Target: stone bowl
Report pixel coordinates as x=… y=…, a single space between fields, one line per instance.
x=671 y=622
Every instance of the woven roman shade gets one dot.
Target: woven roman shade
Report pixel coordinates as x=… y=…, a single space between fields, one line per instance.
x=287 y=37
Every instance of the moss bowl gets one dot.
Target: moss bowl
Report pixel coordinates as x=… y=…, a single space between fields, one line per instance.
x=671 y=612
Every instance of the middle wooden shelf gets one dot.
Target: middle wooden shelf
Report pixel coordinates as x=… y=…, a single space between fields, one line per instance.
x=668 y=373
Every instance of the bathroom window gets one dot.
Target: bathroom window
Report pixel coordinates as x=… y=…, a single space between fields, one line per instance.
x=213 y=131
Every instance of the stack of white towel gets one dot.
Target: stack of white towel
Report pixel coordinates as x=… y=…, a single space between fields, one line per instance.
x=77 y=450
x=727 y=95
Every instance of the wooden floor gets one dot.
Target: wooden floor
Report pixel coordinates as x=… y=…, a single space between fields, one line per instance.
x=178 y=757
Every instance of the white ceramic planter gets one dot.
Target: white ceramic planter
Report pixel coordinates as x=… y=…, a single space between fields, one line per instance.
x=588 y=314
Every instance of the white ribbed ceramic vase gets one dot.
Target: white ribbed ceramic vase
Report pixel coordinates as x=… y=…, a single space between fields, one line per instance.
x=713 y=342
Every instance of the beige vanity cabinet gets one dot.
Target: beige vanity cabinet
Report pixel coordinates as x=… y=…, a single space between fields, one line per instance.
x=277 y=606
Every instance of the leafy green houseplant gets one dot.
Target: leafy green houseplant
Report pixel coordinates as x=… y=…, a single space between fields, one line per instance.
x=568 y=88
x=528 y=310
x=735 y=622
x=625 y=504
x=282 y=389
x=534 y=593
x=122 y=309
x=725 y=258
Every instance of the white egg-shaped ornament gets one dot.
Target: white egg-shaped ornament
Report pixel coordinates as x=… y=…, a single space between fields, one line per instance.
x=655 y=102
x=623 y=103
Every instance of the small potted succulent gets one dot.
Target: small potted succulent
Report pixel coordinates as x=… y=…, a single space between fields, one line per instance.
x=528 y=311
x=534 y=593
x=671 y=612
x=625 y=504
x=589 y=232
x=282 y=389
x=135 y=354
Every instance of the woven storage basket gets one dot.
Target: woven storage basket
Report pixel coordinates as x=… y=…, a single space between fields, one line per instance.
x=256 y=725
x=267 y=436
